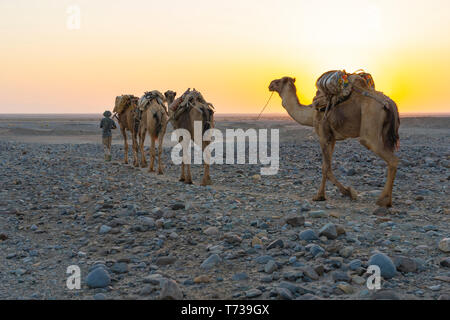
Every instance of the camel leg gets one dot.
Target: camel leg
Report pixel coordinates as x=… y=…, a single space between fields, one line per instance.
x=206 y=178
x=160 y=148
x=385 y=198
x=326 y=162
x=135 y=149
x=152 y=154
x=142 y=134
x=182 y=177
x=346 y=191
x=188 y=179
x=124 y=133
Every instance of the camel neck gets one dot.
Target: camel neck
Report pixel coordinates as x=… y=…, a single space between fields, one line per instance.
x=300 y=113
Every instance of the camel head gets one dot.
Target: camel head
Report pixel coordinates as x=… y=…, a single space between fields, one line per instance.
x=279 y=84
x=170 y=96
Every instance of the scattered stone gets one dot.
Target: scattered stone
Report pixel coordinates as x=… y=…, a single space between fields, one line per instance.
x=211 y=261
x=263 y=259
x=387 y=266
x=202 y=279
x=147 y=290
x=170 y=290
x=232 y=238
x=317 y=214
x=163 y=261
x=104 y=229
x=154 y=279
x=384 y=295
x=256 y=241
x=346 y=252
x=253 y=293
x=270 y=266
x=444 y=245
x=211 y=231
x=329 y=231
x=346 y=288
x=358 y=280
x=295 y=221
x=98 y=278
x=284 y=294
x=316 y=250
x=277 y=243
x=240 y=276
x=119 y=267
x=405 y=264
x=339 y=276
x=308 y=235
x=355 y=264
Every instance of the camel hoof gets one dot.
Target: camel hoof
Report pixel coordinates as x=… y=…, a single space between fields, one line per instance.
x=319 y=198
x=160 y=172
x=151 y=170
x=181 y=179
x=352 y=193
x=125 y=162
x=206 y=182
x=188 y=181
x=144 y=165
x=385 y=202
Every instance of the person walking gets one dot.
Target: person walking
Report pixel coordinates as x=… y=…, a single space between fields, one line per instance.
x=107 y=124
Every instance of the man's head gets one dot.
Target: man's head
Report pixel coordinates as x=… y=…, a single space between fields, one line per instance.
x=107 y=114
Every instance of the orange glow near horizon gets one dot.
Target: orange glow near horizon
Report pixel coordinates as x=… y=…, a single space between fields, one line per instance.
x=229 y=51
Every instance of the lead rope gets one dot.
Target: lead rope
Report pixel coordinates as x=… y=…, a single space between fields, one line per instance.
x=259 y=116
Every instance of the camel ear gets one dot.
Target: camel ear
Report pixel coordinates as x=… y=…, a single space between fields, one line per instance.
x=294 y=80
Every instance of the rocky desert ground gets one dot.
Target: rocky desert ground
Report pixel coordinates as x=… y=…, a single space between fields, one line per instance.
x=138 y=235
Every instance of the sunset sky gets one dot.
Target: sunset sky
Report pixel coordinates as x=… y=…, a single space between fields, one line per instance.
x=229 y=50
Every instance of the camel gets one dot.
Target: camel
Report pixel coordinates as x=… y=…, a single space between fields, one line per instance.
x=125 y=109
x=362 y=116
x=183 y=112
x=170 y=96
x=154 y=121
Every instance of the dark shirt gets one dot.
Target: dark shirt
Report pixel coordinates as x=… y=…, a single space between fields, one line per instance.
x=107 y=124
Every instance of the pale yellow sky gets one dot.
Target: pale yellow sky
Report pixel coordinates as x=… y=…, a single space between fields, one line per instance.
x=229 y=50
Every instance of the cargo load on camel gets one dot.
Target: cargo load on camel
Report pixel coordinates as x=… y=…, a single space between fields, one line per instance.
x=147 y=98
x=192 y=99
x=334 y=87
x=123 y=102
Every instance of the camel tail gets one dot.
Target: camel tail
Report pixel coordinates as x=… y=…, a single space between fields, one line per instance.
x=158 y=120
x=391 y=125
x=207 y=118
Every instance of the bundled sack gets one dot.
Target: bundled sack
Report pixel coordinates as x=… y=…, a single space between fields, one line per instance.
x=123 y=102
x=148 y=97
x=188 y=100
x=336 y=86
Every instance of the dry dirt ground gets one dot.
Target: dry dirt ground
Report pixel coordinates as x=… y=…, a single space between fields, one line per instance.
x=247 y=236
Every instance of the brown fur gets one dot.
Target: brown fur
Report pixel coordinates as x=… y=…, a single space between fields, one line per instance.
x=367 y=118
x=127 y=122
x=186 y=121
x=154 y=122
